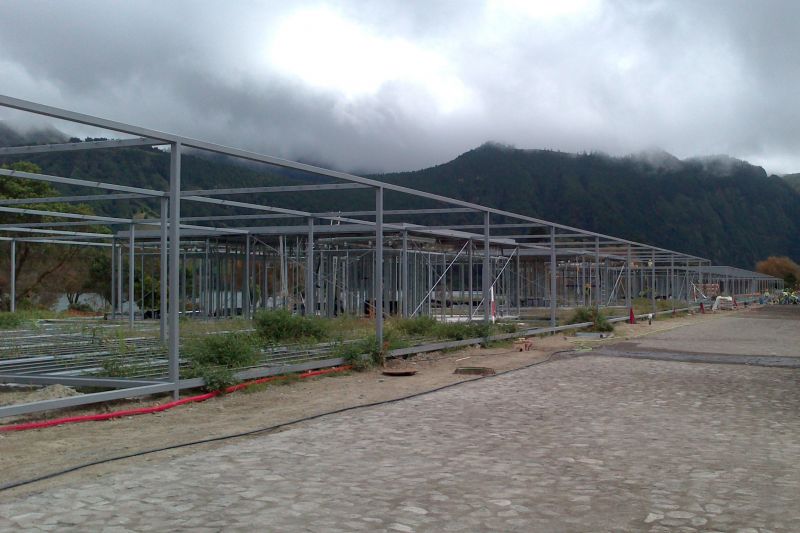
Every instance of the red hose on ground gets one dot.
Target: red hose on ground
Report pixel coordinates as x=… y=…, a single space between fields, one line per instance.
x=162 y=407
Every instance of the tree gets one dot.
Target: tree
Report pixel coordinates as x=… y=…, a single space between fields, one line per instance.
x=42 y=271
x=780 y=267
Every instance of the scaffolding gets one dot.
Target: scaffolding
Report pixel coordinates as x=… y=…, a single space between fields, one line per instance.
x=371 y=263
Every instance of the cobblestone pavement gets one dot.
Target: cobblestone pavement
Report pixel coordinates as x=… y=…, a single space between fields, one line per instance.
x=585 y=444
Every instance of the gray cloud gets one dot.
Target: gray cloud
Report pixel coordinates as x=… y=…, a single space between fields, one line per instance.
x=690 y=77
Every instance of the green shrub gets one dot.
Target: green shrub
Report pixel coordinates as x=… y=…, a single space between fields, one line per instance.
x=215 y=357
x=598 y=320
x=417 y=326
x=458 y=331
x=367 y=353
x=217 y=379
x=281 y=325
x=10 y=320
x=230 y=350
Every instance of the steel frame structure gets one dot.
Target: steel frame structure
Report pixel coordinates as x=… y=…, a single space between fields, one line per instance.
x=368 y=262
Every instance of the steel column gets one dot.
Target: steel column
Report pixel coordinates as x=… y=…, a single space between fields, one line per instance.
x=131 y=272
x=113 y=277
x=553 y=287
x=486 y=274
x=310 y=308
x=653 y=281
x=174 y=265
x=120 y=266
x=12 y=306
x=379 y=267
x=162 y=281
x=628 y=296
x=246 y=311
x=404 y=274
x=598 y=297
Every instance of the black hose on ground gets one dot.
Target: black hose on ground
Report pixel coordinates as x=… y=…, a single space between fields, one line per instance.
x=51 y=475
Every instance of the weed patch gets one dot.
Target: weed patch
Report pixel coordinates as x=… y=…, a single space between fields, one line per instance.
x=281 y=325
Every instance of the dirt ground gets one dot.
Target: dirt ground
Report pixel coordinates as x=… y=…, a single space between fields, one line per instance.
x=34 y=453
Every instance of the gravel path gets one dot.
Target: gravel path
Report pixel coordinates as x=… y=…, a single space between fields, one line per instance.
x=585 y=444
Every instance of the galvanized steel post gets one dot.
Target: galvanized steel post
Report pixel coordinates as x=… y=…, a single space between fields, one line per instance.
x=163 y=277
x=379 y=266
x=309 y=307
x=404 y=274
x=553 y=288
x=174 y=265
x=598 y=299
x=12 y=306
x=628 y=280
x=653 y=280
x=131 y=273
x=486 y=275
x=246 y=285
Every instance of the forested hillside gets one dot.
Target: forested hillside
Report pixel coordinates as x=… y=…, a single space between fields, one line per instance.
x=716 y=207
x=793 y=180
x=721 y=208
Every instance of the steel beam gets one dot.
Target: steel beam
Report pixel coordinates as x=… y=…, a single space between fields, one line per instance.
x=84 y=234
x=60 y=214
x=78 y=182
x=71 y=199
x=274 y=189
x=70 y=147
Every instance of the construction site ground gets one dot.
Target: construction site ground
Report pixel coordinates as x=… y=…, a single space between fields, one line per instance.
x=579 y=443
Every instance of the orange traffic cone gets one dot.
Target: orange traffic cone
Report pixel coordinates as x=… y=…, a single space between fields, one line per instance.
x=632 y=319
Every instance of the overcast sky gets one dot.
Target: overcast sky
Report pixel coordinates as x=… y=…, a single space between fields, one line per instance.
x=400 y=85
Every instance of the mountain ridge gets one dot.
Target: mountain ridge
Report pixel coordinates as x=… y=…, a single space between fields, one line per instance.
x=715 y=206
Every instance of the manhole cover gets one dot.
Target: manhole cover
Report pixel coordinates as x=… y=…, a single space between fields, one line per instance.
x=475 y=370
x=399 y=372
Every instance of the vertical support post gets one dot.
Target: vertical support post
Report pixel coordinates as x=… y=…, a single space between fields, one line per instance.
x=309 y=309
x=598 y=298
x=379 y=266
x=246 y=285
x=174 y=264
x=628 y=295
x=672 y=279
x=404 y=273
x=519 y=286
x=12 y=306
x=141 y=283
x=207 y=300
x=131 y=272
x=653 y=280
x=163 y=275
x=486 y=274
x=553 y=287
x=119 y=277
x=688 y=285
x=700 y=274
x=469 y=279
x=113 y=277
x=284 y=270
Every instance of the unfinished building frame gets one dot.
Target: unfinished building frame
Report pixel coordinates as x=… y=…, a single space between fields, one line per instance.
x=373 y=263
